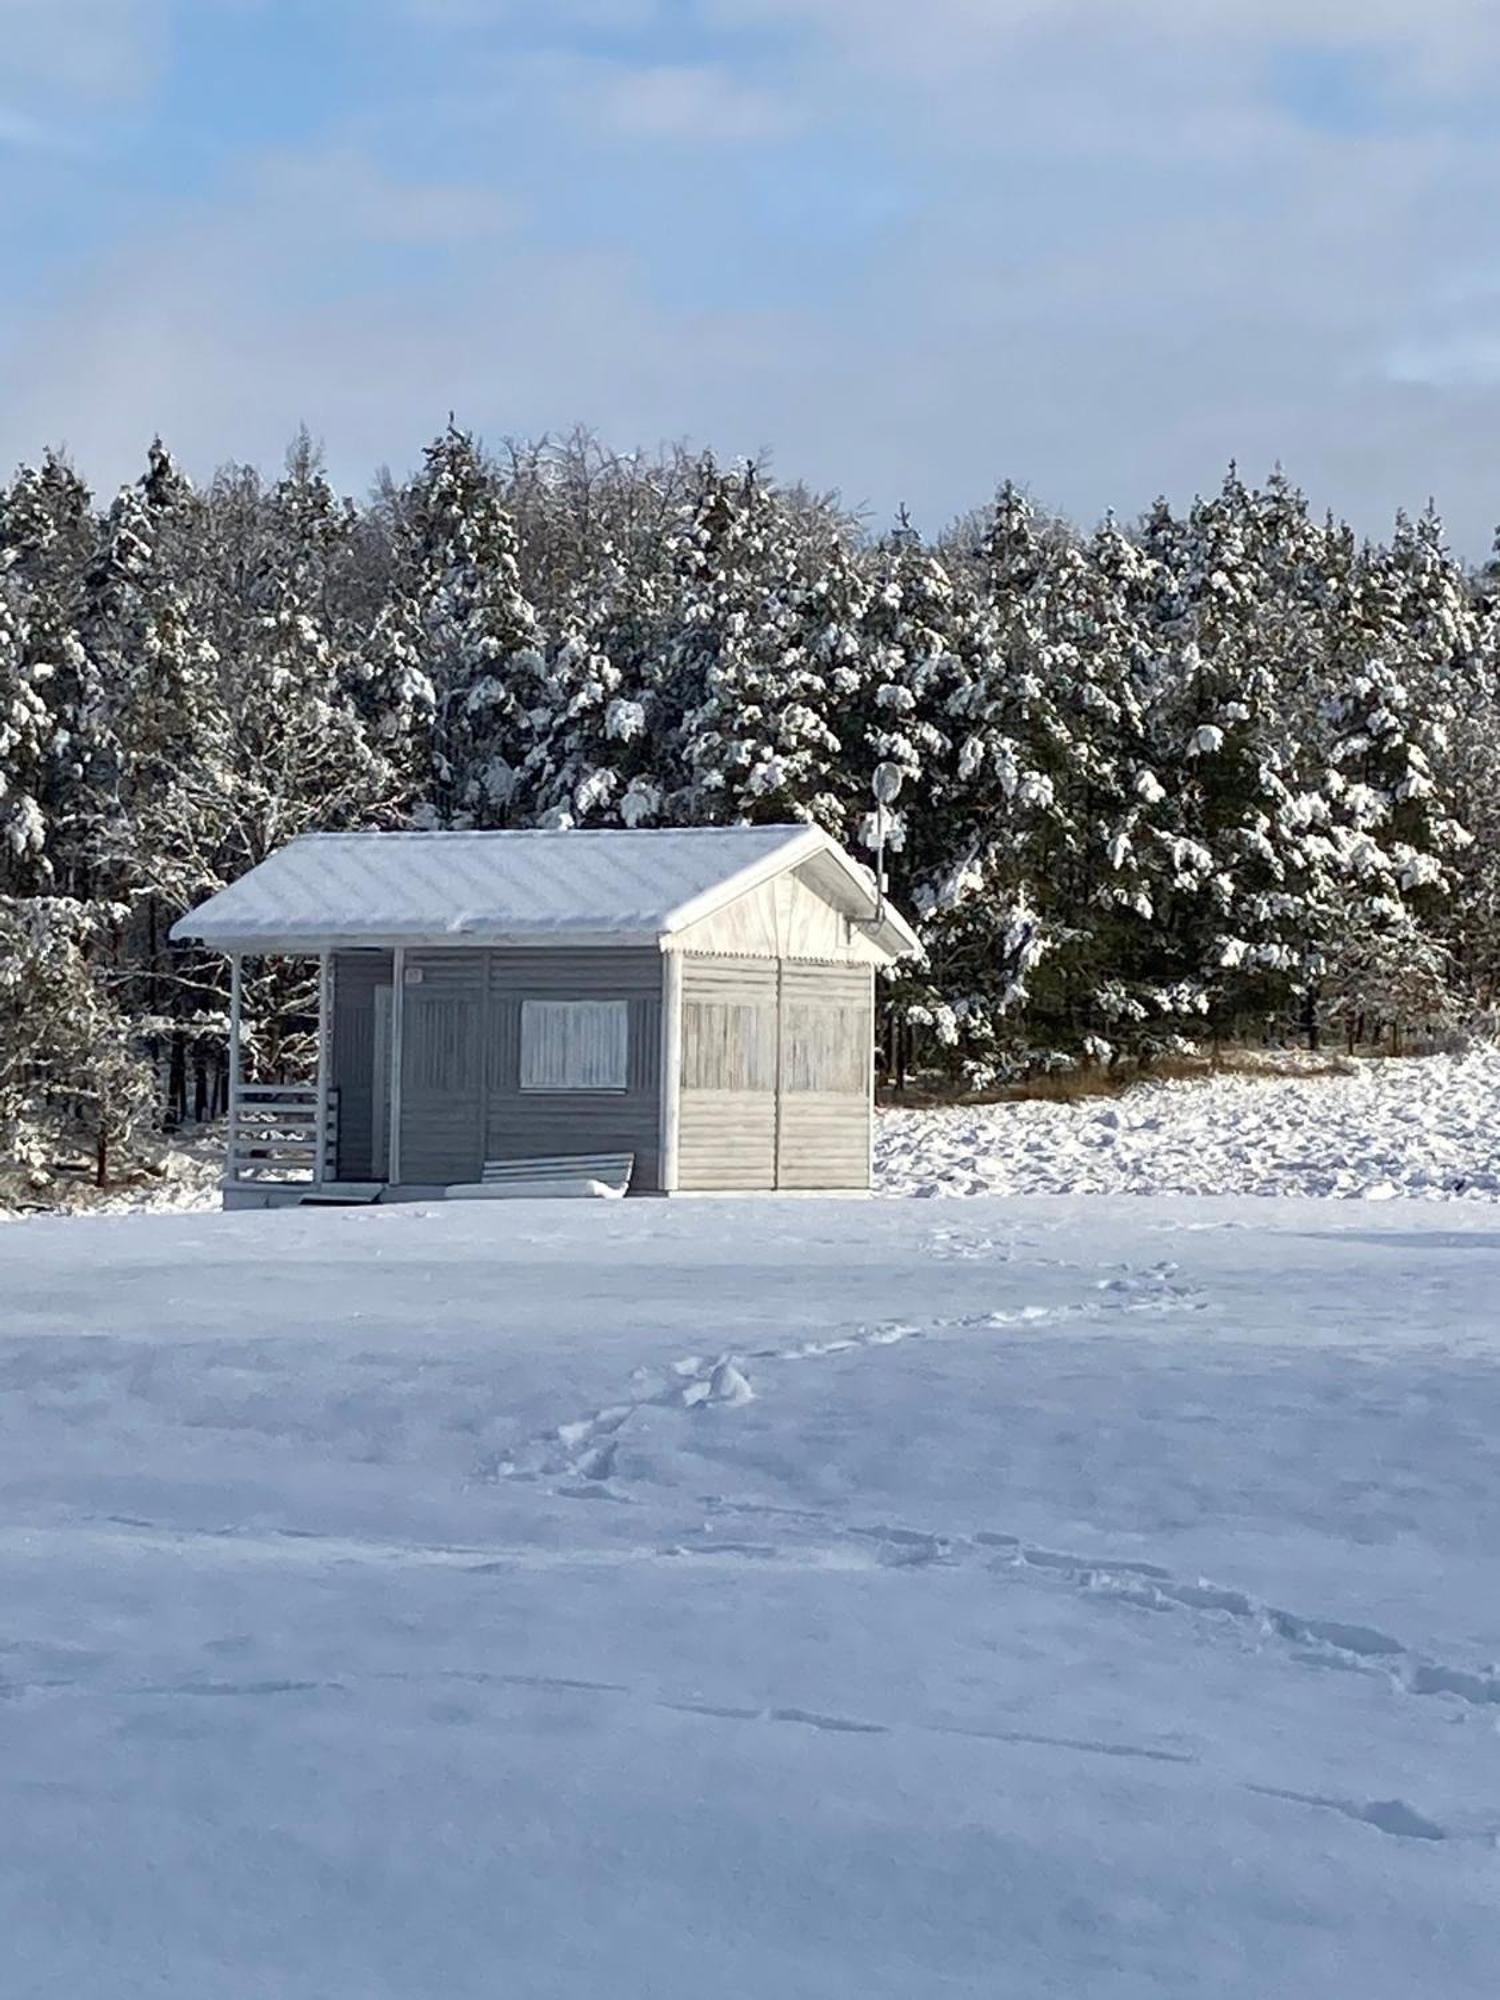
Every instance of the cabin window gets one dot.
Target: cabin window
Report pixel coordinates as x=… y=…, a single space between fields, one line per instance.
x=575 y=1044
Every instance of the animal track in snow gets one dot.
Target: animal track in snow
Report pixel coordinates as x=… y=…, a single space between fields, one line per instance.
x=584 y=1452
x=1392 y=1816
x=1324 y=1642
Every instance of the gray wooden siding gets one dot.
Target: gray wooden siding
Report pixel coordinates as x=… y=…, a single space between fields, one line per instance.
x=776 y=1065
x=461 y=1096
x=356 y=974
x=444 y=995
x=522 y=1123
x=726 y=1135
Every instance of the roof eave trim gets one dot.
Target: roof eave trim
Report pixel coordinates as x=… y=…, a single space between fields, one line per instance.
x=310 y=944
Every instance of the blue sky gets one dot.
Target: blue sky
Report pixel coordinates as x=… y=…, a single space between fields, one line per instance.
x=1099 y=246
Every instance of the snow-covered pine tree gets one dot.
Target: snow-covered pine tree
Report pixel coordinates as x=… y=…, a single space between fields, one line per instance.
x=71 y=1069
x=599 y=726
x=1467 y=773
x=1232 y=931
x=1106 y=975
x=144 y=628
x=1403 y=631
x=297 y=754
x=996 y=914
x=908 y=635
x=46 y=528
x=459 y=634
x=754 y=739
x=25 y=743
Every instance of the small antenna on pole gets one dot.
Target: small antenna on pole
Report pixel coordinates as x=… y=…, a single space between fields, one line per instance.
x=886 y=785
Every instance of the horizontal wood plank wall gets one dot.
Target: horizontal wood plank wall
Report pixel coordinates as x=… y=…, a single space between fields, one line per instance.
x=523 y=1124
x=445 y=996
x=727 y=1116
x=356 y=974
x=827 y=1048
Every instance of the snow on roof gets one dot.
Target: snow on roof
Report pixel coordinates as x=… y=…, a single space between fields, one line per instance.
x=610 y=886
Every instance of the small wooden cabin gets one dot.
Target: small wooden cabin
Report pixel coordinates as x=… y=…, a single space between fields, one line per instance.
x=668 y=1010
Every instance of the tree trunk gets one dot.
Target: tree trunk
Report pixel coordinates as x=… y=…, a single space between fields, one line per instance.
x=1310 y=1018
x=177 y=1083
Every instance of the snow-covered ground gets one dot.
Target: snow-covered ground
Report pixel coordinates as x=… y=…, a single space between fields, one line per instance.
x=1428 y=1128
x=181 y=1176
x=1047 y=1598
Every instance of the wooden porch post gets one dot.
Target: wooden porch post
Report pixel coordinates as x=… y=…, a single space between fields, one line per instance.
x=671 y=1068
x=236 y=1011
x=398 y=1024
x=325 y=985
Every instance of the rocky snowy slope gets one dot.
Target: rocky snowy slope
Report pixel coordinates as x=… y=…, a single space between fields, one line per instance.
x=827 y=1600
x=1428 y=1128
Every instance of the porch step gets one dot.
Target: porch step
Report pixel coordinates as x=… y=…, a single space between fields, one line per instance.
x=343 y=1194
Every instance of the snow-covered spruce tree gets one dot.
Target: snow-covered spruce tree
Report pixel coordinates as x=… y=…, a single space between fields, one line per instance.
x=908 y=633
x=25 y=742
x=754 y=741
x=834 y=675
x=46 y=529
x=1233 y=930
x=594 y=536
x=302 y=756
x=996 y=913
x=145 y=629
x=459 y=635
x=1100 y=994
x=598 y=722
x=1467 y=773
x=1404 y=632
x=298 y=754
x=159 y=773
x=70 y=1067
x=904 y=672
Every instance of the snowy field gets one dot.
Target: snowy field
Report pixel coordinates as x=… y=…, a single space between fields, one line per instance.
x=1047 y=1598
x=1428 y=1128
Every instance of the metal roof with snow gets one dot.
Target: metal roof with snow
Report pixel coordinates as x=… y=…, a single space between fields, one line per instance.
x=612 y=886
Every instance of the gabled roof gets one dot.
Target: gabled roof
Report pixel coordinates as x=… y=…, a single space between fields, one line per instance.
x=613 y=886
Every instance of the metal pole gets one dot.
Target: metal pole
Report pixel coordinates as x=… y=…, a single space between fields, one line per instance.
x=398 y=1025
x=325 y=969
x=236 y=1011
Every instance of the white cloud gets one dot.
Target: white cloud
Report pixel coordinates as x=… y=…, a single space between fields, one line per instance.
x=612 y=15
x=1120 y=265
x=211 y=336
x=99 y=50
x=357 y=200
x=955 y=30
x=1459 y=361
x=25 y=135
x=694 y=102
x=1098 y=370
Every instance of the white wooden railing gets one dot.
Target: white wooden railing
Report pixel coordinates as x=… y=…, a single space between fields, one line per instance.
x=273 y=1133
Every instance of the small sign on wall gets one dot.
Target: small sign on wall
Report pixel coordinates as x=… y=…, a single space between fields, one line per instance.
x=413 y=975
